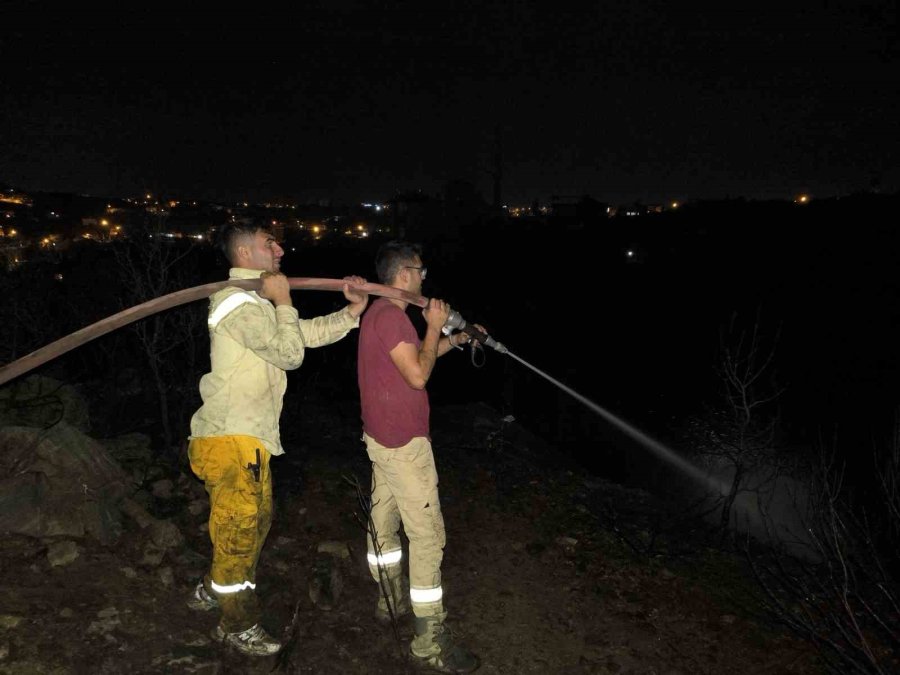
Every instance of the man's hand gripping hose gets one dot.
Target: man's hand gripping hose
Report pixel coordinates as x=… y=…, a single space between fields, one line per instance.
x=456 y=322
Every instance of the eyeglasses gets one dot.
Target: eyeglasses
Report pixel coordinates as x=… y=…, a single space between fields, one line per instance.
x=423 y=270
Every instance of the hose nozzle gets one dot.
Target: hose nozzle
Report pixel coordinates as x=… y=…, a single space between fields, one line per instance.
x=456 y=322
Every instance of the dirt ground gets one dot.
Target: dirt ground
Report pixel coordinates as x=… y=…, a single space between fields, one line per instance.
x=539 y=576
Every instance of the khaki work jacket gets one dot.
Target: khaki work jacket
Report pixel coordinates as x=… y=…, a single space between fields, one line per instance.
x=252 y=344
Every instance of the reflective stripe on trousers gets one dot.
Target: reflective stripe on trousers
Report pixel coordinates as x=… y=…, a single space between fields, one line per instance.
x=405 y=490
x=240 y=515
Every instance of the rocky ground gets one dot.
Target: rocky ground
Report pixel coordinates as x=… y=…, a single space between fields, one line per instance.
x=547 y=570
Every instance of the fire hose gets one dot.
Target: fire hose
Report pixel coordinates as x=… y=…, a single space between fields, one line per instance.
x=162 y=303
x=454 y=322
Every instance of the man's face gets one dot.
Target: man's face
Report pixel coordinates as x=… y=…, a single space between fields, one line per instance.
x=415 y=275
x=264 y=253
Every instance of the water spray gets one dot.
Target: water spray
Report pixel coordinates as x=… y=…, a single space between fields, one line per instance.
x=456 y=322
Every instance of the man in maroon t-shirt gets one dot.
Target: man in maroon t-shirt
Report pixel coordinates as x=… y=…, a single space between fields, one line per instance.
x=394 y=366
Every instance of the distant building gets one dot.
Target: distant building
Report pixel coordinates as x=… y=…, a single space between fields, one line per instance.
x=577 y=212
x=633 y=210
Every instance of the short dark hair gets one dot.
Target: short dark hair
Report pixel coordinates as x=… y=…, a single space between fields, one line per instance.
x=392 y=256
x=230 y=232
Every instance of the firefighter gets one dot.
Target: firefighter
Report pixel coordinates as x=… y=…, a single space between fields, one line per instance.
x=255 y=337
x=394 y=365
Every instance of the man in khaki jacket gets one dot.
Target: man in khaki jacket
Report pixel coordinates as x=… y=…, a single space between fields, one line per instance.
x=255 y=337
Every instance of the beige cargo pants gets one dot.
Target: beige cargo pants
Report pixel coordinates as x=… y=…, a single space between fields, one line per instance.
x=405 y=491
x=235 y=473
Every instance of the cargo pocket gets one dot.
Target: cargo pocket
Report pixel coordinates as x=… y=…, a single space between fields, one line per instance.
x=238 y=509
x=426 y=475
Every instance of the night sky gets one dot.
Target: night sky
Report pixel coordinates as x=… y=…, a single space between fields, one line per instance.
x=628 y=101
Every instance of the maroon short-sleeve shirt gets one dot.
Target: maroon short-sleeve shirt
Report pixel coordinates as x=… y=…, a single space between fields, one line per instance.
x=393 y=413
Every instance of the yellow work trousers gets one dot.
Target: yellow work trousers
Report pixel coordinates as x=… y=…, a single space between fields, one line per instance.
x=405 y=489
x=235 y=473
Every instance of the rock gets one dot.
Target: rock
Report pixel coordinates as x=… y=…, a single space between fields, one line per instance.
x=41 y=402
x=163 y=488
x=107 y=621
x=198 y=506
x=338 y=549
x=153 y=555
x=64 y=484
x=326 y=583
x=137 y=512
x=62 y=553
x=163 y=533
x=166 y=576
x=166 y=534
x=130 y=448
x=10 y=620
